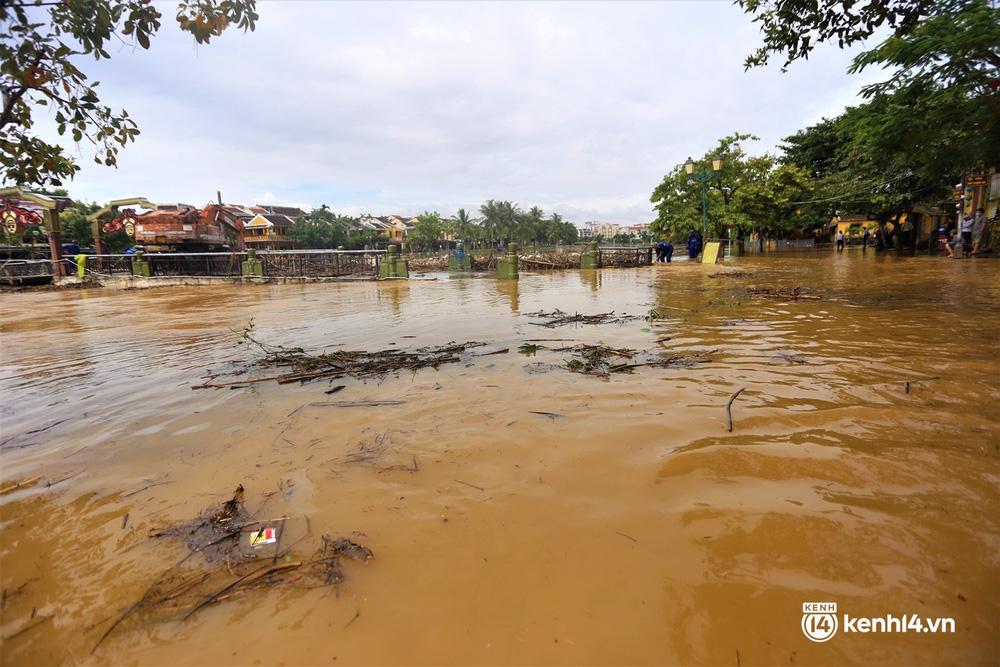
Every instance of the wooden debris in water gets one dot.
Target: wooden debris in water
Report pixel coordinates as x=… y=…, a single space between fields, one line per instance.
x=558 y=318
x=235 y=561
x=781 y=293
x=729 y=408
x=326 y=562
x=789 y=294
x=596 y=359
x=603 y=360
x=300 y=366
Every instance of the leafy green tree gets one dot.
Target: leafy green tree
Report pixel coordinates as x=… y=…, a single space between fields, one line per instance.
x=427 y=230
x=935 y=116
x=769 y=204
x=365 y=238
x=40 y=48
x=751 y=192
x=74 y=224
x=793 y=28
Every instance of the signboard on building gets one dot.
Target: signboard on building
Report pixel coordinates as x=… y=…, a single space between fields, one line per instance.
x=976 y=180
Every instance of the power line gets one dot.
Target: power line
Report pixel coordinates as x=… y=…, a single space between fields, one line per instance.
x=841 y=197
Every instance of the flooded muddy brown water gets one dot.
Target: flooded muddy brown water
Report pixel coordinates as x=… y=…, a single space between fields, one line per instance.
x=626 y=527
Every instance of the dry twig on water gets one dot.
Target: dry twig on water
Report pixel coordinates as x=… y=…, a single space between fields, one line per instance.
x=729 y=408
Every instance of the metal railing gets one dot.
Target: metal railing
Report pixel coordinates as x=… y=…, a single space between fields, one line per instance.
x=102 y=265
x=16 y=271
x=625 y=255
x=320 y=263
x=223 y=264
x=276 y=263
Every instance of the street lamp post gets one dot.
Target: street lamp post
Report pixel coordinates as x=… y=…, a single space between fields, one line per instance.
x=704 y=176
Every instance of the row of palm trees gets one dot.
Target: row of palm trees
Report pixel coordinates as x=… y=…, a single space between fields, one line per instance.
x=504 y=221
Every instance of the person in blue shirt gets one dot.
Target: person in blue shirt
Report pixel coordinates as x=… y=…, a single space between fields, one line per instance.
x=664 y=251
x=694 y=245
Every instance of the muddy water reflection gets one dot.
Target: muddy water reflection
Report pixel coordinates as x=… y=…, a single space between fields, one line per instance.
x=634 y=529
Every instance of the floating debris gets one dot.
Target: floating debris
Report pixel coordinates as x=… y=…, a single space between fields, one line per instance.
x=304 y=367
x=781 y=293
x=550 y=415
x=603 y=360
x=597 y=359
x=239 y=554
x=558 y=318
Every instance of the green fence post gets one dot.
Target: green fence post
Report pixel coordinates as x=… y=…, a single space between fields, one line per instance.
x=140 y=265
x=591 y=257
x=393 y=266
x=252 y=267
x=507 y=266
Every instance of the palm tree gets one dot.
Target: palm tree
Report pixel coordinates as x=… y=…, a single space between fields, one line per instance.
x=491 y=219
x=464 y=226
x=554 y=228
x=508 y=223
x=536 y=222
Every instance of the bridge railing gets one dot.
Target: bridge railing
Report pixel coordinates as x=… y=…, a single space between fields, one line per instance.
x=625 y=255
x=15 y=271
x=320 y=263
x=276 y=263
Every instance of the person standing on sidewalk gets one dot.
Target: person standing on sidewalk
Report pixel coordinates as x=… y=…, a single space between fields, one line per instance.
x=966 y=233
x=978 y=228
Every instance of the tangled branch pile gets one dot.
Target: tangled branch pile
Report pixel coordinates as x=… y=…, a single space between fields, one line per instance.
x=240 y=555
x=603 y=360
x=300 y=366
x=597 y=359
x=781 y=293
x=541 y=259
x=558 y=318
x=360 y=363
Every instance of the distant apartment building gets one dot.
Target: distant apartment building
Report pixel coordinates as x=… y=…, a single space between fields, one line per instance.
x=594 y=229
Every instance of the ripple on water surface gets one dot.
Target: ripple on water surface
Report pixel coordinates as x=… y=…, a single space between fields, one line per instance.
x=520 y=513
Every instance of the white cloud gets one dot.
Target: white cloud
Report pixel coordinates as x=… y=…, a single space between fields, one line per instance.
x=579 y=108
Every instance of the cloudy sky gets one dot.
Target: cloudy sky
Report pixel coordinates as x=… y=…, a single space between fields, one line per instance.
x=400 y=108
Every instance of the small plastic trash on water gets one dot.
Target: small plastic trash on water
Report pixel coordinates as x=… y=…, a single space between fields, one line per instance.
x=266 y=535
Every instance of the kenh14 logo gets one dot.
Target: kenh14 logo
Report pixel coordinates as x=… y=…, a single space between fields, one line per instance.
x=819 y=620
x=820 y=623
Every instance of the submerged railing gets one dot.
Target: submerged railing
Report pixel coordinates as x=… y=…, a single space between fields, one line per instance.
x=18 y=271
x=276 y=263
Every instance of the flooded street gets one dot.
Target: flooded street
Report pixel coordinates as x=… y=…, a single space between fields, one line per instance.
x=625 y=526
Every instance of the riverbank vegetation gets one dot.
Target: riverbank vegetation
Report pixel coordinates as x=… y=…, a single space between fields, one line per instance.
x=934 y=119
x=498 y=222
